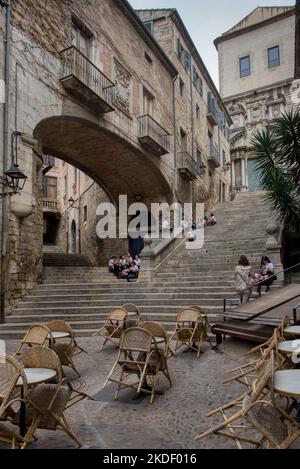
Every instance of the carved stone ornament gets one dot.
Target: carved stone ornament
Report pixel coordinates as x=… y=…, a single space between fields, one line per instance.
x=123 y=87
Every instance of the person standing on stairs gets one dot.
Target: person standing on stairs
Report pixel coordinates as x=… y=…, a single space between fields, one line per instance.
x=242 y=275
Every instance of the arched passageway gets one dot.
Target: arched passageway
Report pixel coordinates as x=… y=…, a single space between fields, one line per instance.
x=117 y=165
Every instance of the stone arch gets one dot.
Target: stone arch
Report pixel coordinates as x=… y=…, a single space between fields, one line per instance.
x=116 y=164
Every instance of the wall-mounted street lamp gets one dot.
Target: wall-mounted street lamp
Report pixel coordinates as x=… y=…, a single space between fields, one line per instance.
x=71 y=202
x=14 y=179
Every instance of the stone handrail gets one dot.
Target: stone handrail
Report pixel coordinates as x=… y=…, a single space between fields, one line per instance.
x=153 y=256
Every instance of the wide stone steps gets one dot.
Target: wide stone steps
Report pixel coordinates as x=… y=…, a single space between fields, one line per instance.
x=84 y=295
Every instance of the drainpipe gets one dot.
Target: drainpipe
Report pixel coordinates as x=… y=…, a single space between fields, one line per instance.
x=175 y=135
x=192 y=120
x=5 y=150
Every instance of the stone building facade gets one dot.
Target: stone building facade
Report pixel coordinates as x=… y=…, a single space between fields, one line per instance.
x=89 y=85
x=258 y=81
x=201 y=121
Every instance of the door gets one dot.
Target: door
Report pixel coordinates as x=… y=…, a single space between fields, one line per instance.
x=254 y=183
x=73 y=238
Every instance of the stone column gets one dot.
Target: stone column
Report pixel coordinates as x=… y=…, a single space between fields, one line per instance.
x=243 y=169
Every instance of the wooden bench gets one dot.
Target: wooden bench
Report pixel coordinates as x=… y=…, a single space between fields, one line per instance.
x=243 y=330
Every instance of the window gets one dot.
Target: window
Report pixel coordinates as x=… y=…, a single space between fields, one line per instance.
x=197 y=81
x=85 y=214
x=184 y=55
x=181 y=87
x=82 y=36
x=273 y=57
x=148 y=58
x=183 y=140
x=245 y=70
x=74 y=176
x=199 y=157
x=149 y=26
x=223 y=159
x=148 y=103
x=65 y=186
x=49 y=160
x=50 y=187
x=197 y=111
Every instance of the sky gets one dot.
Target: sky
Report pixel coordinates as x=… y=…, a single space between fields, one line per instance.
x=208 y=19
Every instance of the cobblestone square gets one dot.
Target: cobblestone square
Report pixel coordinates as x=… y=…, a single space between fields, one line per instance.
x=171 y=422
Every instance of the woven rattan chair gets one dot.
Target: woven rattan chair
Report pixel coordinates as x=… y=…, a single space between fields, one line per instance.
x=45 y=409
x=42 y=357
x=191 y=330
x=62 y=326
x=67 y=348
x=138 y=356
x=37 y=334
x=114 y=326
x=157 y=330
x=245 y=374
x=228 y=427
x=134 y=315
x=10 y=373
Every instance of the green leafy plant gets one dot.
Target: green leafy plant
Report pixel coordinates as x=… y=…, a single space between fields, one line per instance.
x=278 y=166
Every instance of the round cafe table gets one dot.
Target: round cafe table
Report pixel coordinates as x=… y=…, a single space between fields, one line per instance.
x=289 y=346
x=292 y=330
x=59 y=335
x=287 y=383
x=34 y=376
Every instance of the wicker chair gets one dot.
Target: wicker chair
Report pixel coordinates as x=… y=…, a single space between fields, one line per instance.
x=62 y=326
x=134 y=315
x=191 y=330
x=228 y=428
x=157 y=330
x=42 y=357
x=138 y=356
x=45 y=409
x=68 y=348
x=10 y=373
x=114 y=326
x=37 y=334
x=245 y=374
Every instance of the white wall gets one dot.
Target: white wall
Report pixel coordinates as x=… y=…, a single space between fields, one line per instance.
x=256 y=43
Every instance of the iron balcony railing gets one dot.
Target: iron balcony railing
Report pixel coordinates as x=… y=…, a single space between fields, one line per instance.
x=76 y=64
x=50 y=204
x=188 y=164
x=150 y=129
x=212 y=108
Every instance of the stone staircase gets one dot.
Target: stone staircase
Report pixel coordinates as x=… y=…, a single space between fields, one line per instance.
x=84 y=295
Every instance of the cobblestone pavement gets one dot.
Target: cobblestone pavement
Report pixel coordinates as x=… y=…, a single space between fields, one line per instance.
x=171 y=422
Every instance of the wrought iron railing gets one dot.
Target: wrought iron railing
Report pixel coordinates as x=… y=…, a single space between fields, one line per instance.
x=76 y=64
x=188 y=163
x=50 y=204
x=150 y=128
x=212 y=107
x=213 y=152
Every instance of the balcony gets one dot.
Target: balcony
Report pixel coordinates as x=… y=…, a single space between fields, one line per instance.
x=83 y=80
x=153 y=136
x=213 y=156
x=212 y=110
x=50 y=205
x=188 y=167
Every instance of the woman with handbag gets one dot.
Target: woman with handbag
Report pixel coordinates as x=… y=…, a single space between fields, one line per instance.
x=242 y=275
